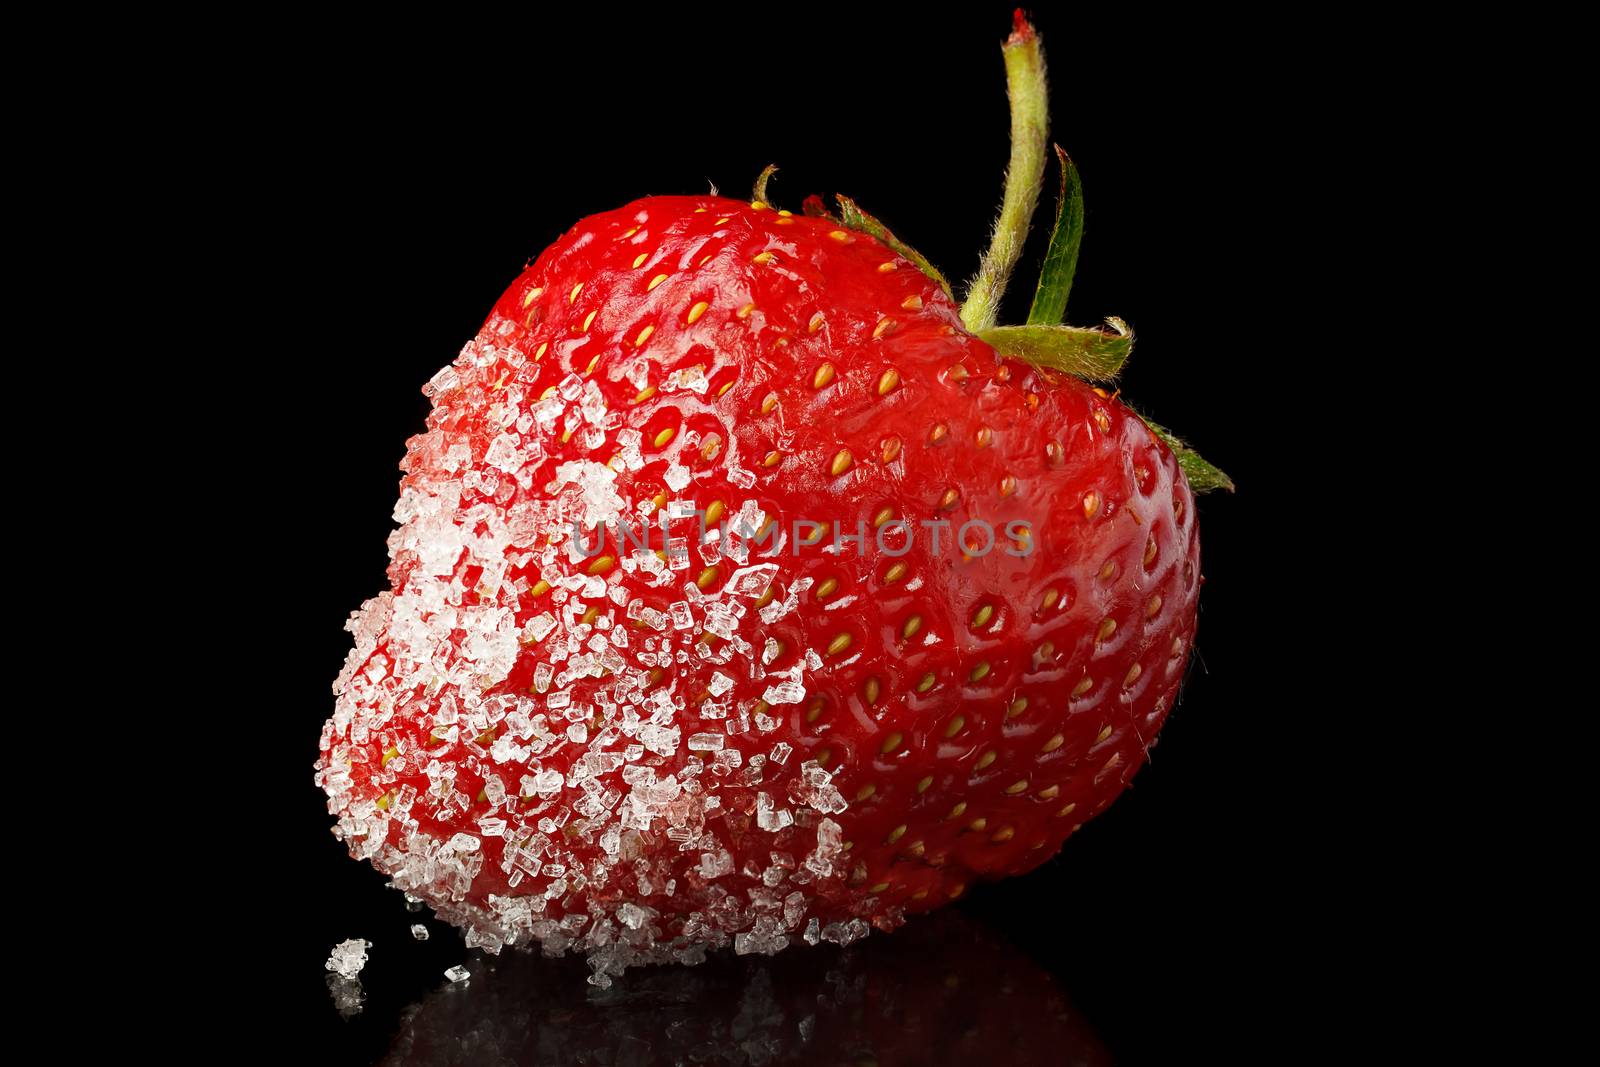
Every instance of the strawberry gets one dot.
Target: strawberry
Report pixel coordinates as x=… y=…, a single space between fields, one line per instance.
x=748 y=588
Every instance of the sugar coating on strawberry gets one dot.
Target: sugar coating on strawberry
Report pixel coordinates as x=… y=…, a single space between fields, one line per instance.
x=551 y=734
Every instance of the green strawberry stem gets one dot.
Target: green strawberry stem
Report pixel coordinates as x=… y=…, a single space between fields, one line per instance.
x=1030 y=126
x=1061 y=261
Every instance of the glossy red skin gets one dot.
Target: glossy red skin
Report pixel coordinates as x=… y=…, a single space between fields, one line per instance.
x=1095 y=485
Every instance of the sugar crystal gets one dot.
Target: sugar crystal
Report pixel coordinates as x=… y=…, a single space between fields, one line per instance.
x=348 y=958
x=787 y=692
x=751 y=582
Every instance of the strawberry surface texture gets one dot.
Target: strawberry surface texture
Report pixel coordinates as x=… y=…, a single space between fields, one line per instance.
x=741 y=595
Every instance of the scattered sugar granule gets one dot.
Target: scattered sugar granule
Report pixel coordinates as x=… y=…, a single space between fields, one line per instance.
x=419 y=932
x=348 y=957
x=458 y=973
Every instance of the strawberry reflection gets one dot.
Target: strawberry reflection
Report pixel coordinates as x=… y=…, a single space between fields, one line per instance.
x=942 y=989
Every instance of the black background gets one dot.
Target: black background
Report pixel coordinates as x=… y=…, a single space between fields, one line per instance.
x=381 y=199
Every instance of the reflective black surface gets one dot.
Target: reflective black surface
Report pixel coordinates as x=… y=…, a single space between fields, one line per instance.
x=947 y=991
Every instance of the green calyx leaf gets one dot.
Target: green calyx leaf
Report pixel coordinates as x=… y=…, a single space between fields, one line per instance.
x=759 y=193
x=1061 y=261
x=1094 y=355
x=851 y=217
x=1203 y=477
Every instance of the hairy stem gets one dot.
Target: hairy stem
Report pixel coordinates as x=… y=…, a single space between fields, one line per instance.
x=1030 y=128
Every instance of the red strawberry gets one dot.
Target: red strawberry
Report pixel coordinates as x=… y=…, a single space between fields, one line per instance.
x=551 y=732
